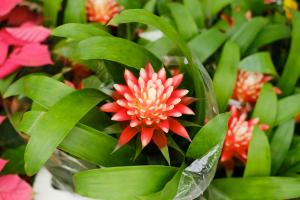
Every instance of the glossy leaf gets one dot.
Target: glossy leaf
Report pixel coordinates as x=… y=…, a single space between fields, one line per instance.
x=78 y=31
x=118 y=50
x=205 y=44
x=210 y=135
x=213 y=7
x=170 y=189
x=280 y=143
x=259 y=62
x=266 y=106
x=196 y=9
x=46 y=93
x=259 y=155
x=291 y=72
x=54 y=126
x=269 y=34
x=258 y=188
x=108 y=183
x=100 y=145
x=160 y=47
x=186 y=25
x=288 y=108
x=245 y=35
x=75 y=11
x=226 y=74
x=51 y=9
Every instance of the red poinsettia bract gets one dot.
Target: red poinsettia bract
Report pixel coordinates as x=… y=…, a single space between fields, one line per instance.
x=12 y=187
x=150 y=104
x=24 y=40
x=102 y=10
x=248 y=86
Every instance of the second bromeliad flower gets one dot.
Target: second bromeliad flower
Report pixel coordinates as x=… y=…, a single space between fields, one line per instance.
x=150 y=104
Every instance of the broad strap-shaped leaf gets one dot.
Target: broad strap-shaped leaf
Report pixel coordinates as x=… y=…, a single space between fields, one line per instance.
x=259 y=62
x=54 y=126
x=116 y=49
x=291 y=72
x=41 y=89
x=75 y=11
x=51 y=9
x=259 y=155
x=126 y=183
x=245 y=35
x=226 y=74
x=266 y=106
x=196 y=9
x=186 y=25
x=280 y=143
x=257 y=188
x=210 y=135
x=195 y=70
x=291 y=162
x=100 y=145
x=205 y=44
x=78 y=31
x=270 y=34
x=169 y=190
x=213 y=7
x=288 y=108
x=160 y=47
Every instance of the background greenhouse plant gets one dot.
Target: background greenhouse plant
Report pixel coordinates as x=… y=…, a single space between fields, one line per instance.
x=226 y=36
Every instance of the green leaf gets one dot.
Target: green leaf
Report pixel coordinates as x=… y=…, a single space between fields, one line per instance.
x=46 y=93
x=160 y=47
x=206 y=43
x=4 y=83
x=196 y=9
x=108 y=183
x=150 y=5
x=213 y=7
x=170 y=189
x=226 y=74
x=196 y=69
x=291 y=72
x=245 y=35
x=291 y=160
x=15 y=157
x=210 y=135
x=54 y=126
x=280 y=143
x=288 y=108
x=259 y=62
x=266 y=106
x=186 y=25
x=258 y=188
x=100 y=145
x=51 y=9
x=75 y=11
x=118 y=50
x=270 y=34
x=78 y=31
x=259 y=155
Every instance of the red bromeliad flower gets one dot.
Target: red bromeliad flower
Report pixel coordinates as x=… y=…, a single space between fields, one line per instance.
x=2 y=118
x=238 y=137
x=12 y=187
x=248 y=86
x=102 y=10
x=25 y=40
x=150 y=104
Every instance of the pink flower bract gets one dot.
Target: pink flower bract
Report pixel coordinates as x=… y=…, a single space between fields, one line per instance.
x=150 y=104
x=248 y=86
x=12 y=187
x=102 y=10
